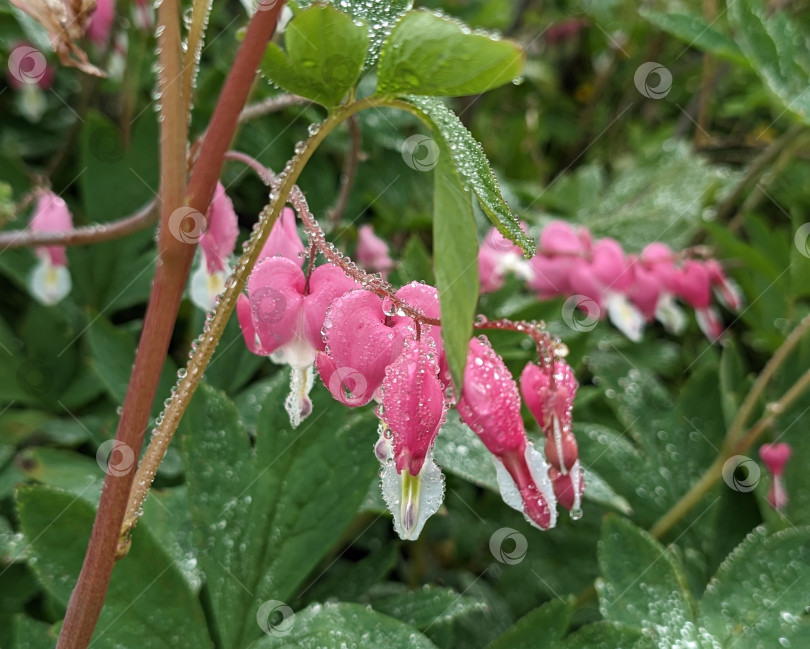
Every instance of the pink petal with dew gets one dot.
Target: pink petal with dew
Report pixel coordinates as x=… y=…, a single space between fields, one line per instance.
x=413 y=405
x=360 y=345
x=275 y=289
x=490 y=401
x=326 y=284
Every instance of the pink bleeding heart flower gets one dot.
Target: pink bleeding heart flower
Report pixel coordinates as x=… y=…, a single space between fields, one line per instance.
x=216 y=245
x=726 y=290
x=284 y=240
x=282 y=317
x=490 y=406
x=775 y=457
x=101 y=22
x=50 y=279
x=693 y=286
x=549 y=395
x=412 y=412
x=497 y=257
x=605 y=280
x=360 y=343
x=425 y=298
x=561 y=249
x=655 y=286
x=373 y=252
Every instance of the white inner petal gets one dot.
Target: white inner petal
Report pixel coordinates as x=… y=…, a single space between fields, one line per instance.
x=412 y=499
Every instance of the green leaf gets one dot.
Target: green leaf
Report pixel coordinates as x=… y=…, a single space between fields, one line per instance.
x=427 y=606
x=379 y=17
x=473 y=167
x=641 y=584
x=759 y=594
x=325 y=54
x=112 y=352
x=551 y=619
x=428 y=54
x=266 y=515
x=345 y=625
x=607 y=635
x=778 y=50
x=148 y=603
x=695 y=31
x=455 y=254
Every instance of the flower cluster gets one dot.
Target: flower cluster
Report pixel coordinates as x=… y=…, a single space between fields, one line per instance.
x=370 y=343
x=599 y=278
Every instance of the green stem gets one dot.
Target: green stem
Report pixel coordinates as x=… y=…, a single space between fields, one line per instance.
x=212 y=332
x=737 y=442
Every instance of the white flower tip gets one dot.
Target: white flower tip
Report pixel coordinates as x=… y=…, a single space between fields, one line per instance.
x=412 y=499
x=49 y=284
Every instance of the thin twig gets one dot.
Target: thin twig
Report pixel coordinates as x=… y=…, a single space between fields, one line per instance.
x=271 y=105
x=84 y=235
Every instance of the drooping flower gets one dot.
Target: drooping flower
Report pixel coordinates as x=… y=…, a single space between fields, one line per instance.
x=365 y=333
x=497 y=257
x=284 y=240
x=561 y=248
x=282 y=317
x=50 y=279
x=693 y=286
x=549 y=395
x=411 y=413
x=655 y=287
x=490 y=406
x=775 y=457
x=372 y=252
x=216 y=245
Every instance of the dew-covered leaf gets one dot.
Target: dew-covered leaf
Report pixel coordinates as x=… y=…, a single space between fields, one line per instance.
x=641 y=584
x=263 y=517
x=428 y=54
x=473 y=167
x=325 y=51
x=424 y=607
x=455 y=254
x=607 y=635
x=379 y=18
x=148 y=603
x=696 y=32
x=345 y=625
x=778 y=49
x=551 y=619
x=759 y=595
x=661 y=196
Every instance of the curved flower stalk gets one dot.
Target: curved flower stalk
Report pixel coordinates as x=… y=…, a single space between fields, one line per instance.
x=50 y=281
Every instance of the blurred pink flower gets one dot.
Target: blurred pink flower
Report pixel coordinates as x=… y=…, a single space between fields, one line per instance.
x=372 y=252
x=775 y=457
x=101 y=22
x=216 y=245
x=50 y=279
x=284 y=240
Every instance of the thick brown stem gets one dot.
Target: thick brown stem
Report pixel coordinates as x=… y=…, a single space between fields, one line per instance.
x=175 y=260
